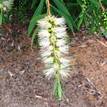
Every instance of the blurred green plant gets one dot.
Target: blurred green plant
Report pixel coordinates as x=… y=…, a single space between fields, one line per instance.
x=78 y=13
x=5 y=7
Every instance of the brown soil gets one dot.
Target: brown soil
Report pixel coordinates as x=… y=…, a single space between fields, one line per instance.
x=22 y=83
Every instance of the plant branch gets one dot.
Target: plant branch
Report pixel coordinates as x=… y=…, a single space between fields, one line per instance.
x=48 y=7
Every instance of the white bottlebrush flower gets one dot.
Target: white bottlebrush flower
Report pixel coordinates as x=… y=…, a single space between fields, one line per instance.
x=52 y=34
x=44 y=38
x=60 y=32
x=44 y=43
x=64 y=61
x=60 y=29
x=64 y=73
x=49 y=72
x=64 y=49
x=61 y=35
x=60 y=21
x=61 y=42
x=43 y=24
x=44 y=50
x=45 y=53
x=43 y=34
x=65 y=66
x=48 y=60
x=65 y=70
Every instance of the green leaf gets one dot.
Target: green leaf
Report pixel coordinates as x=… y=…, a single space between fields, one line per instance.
x=33 y=3
x=35 y=37
x=1 y=17
x=58 y=89
x=60 y=5
x=81 y=18
x=63 y=11
x=68 y=19
x=104 y=1
x=36 y=16
x=33 y=24
x=1 y=1
x=34 y=34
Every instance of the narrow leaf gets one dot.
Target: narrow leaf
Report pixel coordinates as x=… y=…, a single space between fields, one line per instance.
x=68 y=19
x=1 y=17
x=35 y=17
x=81 y=18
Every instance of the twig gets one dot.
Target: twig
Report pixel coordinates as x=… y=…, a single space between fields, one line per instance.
x=48 y=7
x=102 y=43
x=40 y=97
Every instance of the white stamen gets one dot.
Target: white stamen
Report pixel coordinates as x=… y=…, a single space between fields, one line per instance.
x=60 y=29
x=60 y=21
x=43 y=24
x=43 y=34
x=49 y=72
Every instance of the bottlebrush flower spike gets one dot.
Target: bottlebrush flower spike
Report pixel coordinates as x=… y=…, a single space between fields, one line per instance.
x=53 y=45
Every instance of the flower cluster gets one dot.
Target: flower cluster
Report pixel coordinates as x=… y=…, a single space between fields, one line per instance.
x=53 y=46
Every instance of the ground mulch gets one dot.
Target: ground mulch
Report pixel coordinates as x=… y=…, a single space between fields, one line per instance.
x=23 y=84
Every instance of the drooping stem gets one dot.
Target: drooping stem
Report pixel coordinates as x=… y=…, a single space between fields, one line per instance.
x=48 y=7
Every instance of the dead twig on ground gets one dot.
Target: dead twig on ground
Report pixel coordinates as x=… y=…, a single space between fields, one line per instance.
x=102 y=43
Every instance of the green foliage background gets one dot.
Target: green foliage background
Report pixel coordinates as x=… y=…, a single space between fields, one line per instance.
x=90 y=14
